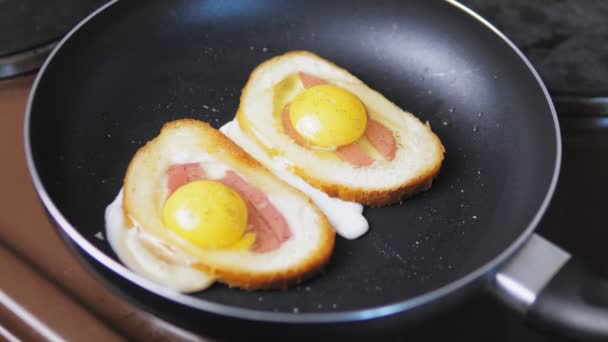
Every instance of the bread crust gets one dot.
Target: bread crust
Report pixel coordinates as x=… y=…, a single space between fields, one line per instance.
x=373 y=197
x=234 y=276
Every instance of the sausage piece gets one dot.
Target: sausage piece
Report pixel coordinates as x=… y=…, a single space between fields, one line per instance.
x=309 y=80
x=381 y=138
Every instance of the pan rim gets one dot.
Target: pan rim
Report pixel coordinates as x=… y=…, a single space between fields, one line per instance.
x=62 y=223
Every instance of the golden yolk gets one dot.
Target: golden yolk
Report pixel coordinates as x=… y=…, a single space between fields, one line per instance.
x=209 y=215
x=244 y=242
x=328 y=116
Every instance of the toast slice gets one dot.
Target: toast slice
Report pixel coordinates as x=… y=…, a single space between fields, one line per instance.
x=299 y=257
x=417 y=154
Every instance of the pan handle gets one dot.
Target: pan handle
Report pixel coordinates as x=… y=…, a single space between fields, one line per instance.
x=554 y=291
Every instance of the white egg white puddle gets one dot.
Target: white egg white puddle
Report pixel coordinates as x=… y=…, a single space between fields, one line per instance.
x=127 y=244
x=346 y=217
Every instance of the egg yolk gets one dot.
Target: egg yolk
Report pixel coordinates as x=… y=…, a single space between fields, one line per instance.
x=209 y=215
x=328 y=116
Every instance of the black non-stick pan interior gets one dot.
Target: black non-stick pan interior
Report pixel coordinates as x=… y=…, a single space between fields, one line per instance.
x=135 y=66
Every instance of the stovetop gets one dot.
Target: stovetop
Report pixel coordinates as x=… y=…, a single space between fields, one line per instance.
x=564 y=40
x=574 y=219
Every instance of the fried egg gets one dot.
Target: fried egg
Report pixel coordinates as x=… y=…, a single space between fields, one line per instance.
x=335 y=132
x=196 y=209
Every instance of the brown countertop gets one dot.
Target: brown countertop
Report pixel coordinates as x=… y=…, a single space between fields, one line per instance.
x=44 y=291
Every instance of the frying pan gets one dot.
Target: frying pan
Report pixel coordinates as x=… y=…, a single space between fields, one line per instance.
x=130 y=67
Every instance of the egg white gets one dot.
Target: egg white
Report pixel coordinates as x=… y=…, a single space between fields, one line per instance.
x=346 y=217
x=127 y=243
